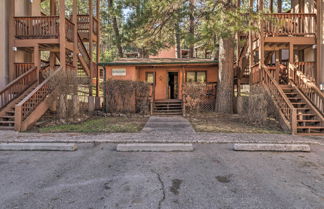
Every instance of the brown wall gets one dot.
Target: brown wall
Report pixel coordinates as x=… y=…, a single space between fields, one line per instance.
x=131 y=73
x=3 y=42
x=161 y=77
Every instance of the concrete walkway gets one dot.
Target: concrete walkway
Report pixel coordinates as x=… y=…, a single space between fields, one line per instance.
x=174 y=124
x=159 y=130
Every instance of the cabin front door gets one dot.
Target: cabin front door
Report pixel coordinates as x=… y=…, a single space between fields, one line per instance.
x=173 y=85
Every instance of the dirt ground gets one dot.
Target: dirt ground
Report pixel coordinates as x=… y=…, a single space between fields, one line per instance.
x=231 y=123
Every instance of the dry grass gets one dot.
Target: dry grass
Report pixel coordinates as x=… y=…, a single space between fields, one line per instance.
x=214 y=122
x=99 y=125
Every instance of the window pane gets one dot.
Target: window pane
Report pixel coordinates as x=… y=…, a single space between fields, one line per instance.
x=150 y=77
x=201 y=77
x=191 y=77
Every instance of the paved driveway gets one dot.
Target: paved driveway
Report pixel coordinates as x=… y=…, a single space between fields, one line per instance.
x=213 y=176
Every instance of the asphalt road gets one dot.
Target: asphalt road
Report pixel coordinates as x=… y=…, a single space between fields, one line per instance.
x=213 y=176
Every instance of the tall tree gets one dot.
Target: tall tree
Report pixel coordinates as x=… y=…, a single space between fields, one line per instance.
x=112 y=14
x=191 y=28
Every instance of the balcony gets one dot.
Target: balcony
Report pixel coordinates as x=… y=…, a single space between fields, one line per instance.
x=290 y=24
x=42 y=27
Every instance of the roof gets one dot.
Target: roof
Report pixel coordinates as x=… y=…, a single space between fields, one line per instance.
x=157 y=61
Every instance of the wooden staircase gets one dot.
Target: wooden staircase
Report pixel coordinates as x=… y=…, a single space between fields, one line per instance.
x=300 y=103
x=167 y=107
x=7 y=115
x=309 y=120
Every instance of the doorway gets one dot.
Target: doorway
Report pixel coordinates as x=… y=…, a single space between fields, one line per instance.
x=173 y=85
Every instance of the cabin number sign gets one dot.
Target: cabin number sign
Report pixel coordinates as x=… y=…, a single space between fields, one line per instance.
x=119 y=72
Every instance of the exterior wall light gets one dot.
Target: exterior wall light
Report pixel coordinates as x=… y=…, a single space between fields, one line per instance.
x=322 y=86
x=14 y=49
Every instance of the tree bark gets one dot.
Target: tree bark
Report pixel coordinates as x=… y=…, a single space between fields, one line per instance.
x=178 y=39
x=225 y=86
x=191 y=27
x=116 y=30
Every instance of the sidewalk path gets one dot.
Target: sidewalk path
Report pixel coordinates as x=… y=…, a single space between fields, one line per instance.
x=175 y=124
x=159 y=130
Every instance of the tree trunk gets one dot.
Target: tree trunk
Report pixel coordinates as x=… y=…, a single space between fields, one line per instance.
x=178 y=39
x=116 y=29
x=191 y=27
x=225 y=88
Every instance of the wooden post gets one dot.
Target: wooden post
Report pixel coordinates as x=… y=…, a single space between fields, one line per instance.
x=18 y=117
x=75 y=33
x=52 y=7
x=37 y=60
x=319 y=39
x=98 y=47
x=62 y=35
x=52 y=60
x=91 y=44
x=250 y=42
x=261 y=45
x=291 y=59
x=277 y=55
x=293 y=122
x=11 y=40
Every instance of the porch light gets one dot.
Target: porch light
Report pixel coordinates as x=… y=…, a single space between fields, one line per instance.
x=322 y=86
x=314 y=46
x=14 y=49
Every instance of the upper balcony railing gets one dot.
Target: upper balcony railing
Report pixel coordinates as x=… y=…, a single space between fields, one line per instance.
x=84 y=24
x=42 y=27
x=290 y=24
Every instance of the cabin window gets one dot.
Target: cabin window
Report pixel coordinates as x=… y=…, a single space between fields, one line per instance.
x=150 y=77
x=198 y=76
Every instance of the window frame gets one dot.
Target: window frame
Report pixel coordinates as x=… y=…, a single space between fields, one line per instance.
x=196 y=76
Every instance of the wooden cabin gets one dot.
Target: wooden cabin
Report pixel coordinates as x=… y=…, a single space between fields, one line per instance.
x=167 y=76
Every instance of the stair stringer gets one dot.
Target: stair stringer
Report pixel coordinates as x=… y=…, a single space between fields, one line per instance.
x=39 y=111
x=284 y=123
x=305 y=98
x=13 y=102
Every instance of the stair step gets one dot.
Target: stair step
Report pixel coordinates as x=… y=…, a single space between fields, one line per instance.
x=309 y=121
x=310 y=127
x=7 y=127
x=7 y=122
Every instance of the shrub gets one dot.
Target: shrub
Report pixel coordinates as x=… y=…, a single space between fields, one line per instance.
x=124 y=96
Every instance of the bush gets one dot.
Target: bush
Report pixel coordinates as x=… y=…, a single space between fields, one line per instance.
x=124 y=96
x=194 y=94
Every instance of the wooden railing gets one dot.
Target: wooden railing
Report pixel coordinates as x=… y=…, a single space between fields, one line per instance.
x=15 y=88
x=21 y=68
x=30 y=102
x=84 y=24
x=309 y=88
x=69 y=30
x=42 y=27
x=307 y=68
x=296 y=24
x=287 y=110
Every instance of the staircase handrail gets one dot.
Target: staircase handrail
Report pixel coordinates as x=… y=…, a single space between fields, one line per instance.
x=84 y=51
x=16 y=87
x=308 y=88
x=281 y=100
x=32 y=100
